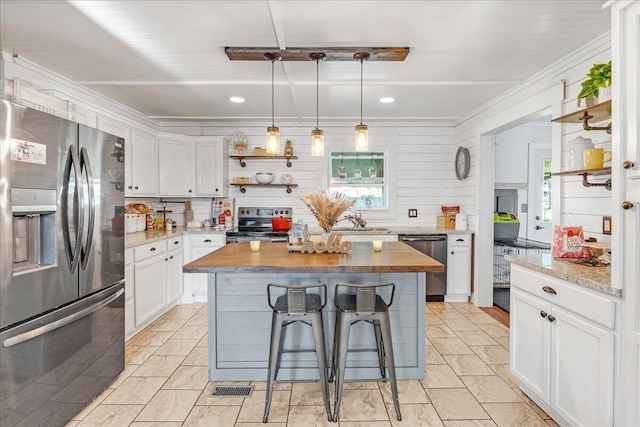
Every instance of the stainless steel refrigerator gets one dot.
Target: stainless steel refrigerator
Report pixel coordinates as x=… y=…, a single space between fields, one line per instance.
x=61 y=266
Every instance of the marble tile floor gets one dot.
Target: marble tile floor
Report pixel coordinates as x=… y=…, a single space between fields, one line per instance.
x=467 y=383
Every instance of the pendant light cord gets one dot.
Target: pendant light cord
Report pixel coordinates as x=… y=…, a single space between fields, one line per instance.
x=273 y=62
x=361 y=66
x=317 y=91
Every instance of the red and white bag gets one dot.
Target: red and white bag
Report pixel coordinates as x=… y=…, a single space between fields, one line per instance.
x=567 y=242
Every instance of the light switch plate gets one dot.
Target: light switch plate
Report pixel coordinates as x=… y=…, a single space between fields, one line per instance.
x=606 y=225
x=413 y=213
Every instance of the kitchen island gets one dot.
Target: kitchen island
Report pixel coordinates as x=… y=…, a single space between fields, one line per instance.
x=240 y=318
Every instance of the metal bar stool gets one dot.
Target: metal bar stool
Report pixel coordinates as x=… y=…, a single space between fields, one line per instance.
x=296 y=306
x=356 y=303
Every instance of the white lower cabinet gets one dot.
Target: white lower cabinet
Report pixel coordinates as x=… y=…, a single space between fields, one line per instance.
x=200 y=244
x=129 y=307
x=174 y=274
x=150 y=278
x=563 y=346
x=153 y=281
x=458 y=267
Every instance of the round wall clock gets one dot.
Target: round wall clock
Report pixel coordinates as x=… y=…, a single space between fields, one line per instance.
x=463 y=163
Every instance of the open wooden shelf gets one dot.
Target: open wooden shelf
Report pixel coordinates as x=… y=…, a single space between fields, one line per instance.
x=595 y=113
x=244 y=190
x=242 y=157
x=589 y=172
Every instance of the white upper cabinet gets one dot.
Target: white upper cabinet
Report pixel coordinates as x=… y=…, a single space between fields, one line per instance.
x=141 y=164
x=192 y=166
x=212 y=167
x=175 y=165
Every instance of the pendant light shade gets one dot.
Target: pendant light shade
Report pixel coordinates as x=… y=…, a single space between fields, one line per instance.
x=317 y=135
x=273 y=133
x=362 y=132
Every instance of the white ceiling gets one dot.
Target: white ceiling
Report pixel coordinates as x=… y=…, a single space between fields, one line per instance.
x=166 y=58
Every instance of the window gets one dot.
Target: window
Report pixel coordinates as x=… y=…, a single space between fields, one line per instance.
x=360 y=175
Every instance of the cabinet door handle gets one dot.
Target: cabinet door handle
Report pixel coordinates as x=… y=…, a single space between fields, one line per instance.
x=166 y=259
x=176 y=242
x=459 y=240
x=136 y=187
x=152 y=250
x=190 y=191
x=216 y=190
x=551 y=318
x=628 y=164
x=130 y=187
x=543 y=314
x=171 y=257
x=549 y=290
x=452 y=252
x=626 y=205
x=207 y=241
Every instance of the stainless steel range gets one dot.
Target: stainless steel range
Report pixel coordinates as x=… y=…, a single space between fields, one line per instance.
x=255 y=223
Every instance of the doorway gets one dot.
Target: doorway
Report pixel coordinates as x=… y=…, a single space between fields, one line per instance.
x=532 y=109
x=522 y=194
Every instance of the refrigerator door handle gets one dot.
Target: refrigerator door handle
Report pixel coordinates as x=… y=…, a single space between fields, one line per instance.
x=86 y=165
x=73 y=255
x=26 y=336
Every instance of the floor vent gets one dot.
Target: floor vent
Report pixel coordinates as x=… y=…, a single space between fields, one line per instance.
x=232 y=391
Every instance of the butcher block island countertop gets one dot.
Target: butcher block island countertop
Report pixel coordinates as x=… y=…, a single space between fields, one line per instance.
x=396 y=257
x=239 y=318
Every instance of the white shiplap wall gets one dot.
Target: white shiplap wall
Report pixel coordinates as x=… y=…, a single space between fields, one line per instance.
x=513 y=108
x=421 y=174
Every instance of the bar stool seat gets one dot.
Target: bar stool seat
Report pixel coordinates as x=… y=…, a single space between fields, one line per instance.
x=356 y=303
x=296 y=305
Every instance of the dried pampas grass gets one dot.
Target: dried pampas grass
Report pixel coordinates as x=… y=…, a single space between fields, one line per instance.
x=326 y=207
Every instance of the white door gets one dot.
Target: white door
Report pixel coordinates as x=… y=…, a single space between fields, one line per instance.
x=625 y=37
x=539 y=194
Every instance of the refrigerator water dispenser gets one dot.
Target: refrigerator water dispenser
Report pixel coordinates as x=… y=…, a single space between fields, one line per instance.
x=34 y=229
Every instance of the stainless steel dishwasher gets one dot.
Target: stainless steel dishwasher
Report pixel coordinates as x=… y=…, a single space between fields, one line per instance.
x=435 y=246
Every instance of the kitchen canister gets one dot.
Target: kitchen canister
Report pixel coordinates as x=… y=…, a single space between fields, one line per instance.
x=574 y=153
x=130 y=223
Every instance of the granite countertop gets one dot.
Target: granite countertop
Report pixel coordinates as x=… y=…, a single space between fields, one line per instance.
x=136 y=239
x=405 y=229
x=597 y=278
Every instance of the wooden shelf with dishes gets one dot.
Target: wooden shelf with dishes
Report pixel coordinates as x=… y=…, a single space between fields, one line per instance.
x=589 y=172
x=244 y=190
x=595 y=113
x=243 y=157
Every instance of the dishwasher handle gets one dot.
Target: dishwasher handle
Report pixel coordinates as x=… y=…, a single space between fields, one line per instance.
x=424 y=239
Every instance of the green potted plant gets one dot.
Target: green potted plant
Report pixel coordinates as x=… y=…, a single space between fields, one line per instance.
x=599 y=77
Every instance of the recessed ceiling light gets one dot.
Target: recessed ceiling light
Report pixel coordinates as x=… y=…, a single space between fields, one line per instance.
x=237 y=99
x=386 y=99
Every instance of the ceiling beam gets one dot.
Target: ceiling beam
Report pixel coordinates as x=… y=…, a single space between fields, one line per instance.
x=302 y=53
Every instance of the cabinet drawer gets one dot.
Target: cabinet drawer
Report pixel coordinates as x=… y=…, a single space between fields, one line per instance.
x=149 y=249
x=582 y=301
x=208 y=240
x=174 y=242
x=459 y=240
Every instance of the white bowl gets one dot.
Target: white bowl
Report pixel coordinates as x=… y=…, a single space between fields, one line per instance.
x=264 y=177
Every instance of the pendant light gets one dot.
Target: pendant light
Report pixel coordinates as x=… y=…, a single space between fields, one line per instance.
x=362 y=132
x=273 y=133
x=317 y=135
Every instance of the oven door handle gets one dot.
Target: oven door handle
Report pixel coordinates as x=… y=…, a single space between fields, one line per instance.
x=34 y=333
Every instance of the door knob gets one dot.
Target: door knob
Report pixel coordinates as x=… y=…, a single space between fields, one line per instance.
x=628 y=164
x=626 y=205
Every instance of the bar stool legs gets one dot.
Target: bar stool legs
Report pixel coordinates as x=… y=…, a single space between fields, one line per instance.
x=366 y=306
x=296 y=306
